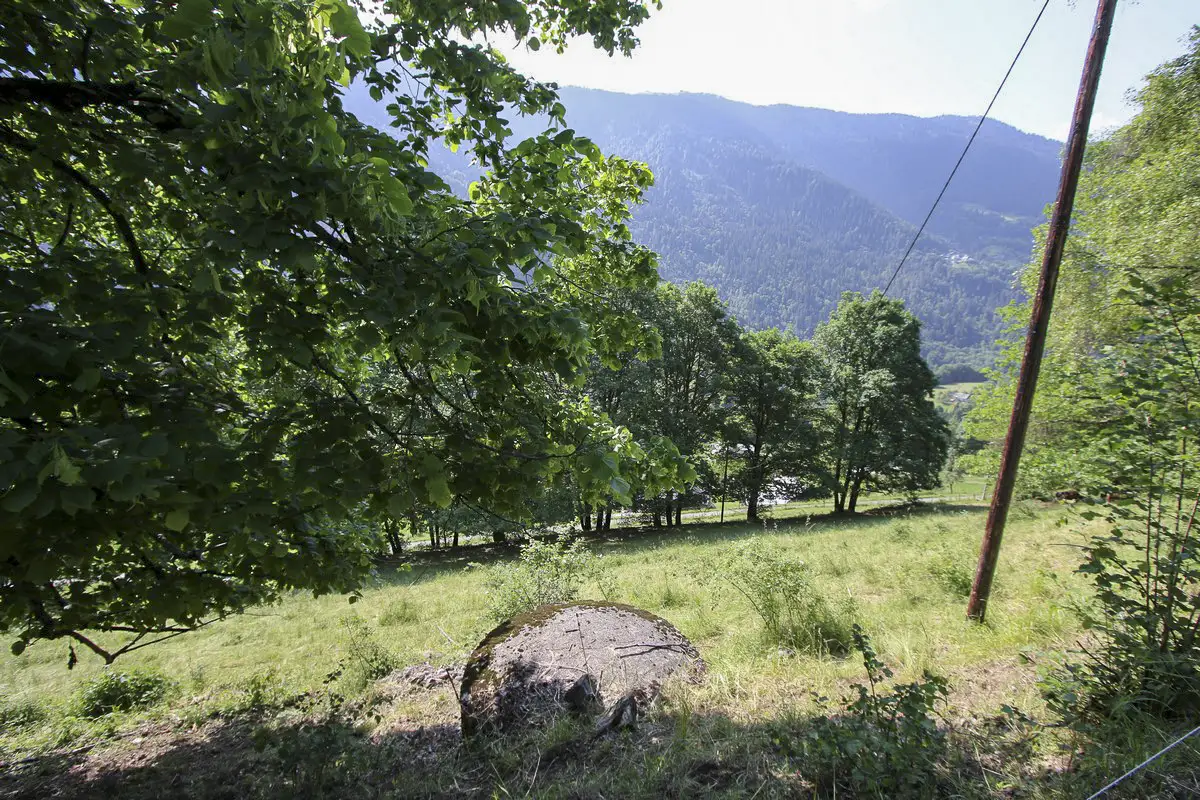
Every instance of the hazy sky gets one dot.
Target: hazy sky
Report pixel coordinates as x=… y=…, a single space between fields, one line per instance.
x=923 y=57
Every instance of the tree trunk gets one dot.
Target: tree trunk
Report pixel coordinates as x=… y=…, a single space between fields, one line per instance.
x=657 y=518
x=752 y=506
x=392 y=531
x=678 y=513
x=854 y=493
x=608 y=518
x=844 y=492
x=585 y=517
x=455 y=542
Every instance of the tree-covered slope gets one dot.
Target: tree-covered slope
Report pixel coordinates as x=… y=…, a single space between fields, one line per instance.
x=896 y=161
x=784 y=208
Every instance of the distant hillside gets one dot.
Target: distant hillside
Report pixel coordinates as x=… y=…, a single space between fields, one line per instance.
x=783 y=208
x=896 y=161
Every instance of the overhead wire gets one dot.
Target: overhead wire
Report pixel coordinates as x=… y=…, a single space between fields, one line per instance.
x=912 y=245
x=1145 y=763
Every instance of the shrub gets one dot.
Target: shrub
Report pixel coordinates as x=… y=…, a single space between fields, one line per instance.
x=884 y=743
x=544 y=572
x=779 y=588
x=951 y=574
x=15 y=715
x=366 y=660
x=113 y=690
x=401 y=612
x=261 y=690
x=1146 y=655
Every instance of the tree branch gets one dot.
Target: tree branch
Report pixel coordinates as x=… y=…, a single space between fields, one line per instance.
x=76 y=95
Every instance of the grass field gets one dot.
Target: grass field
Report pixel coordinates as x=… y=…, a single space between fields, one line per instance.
x=253 y=711
x=949 y=395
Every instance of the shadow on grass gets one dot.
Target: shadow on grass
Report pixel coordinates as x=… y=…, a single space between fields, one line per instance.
x=672 y=753
x=428 y=565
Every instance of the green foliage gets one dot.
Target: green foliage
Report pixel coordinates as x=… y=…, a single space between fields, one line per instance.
x=400 y=612
x=885 y=743
x=20 y=714
x=544 y=572
x=959 y=373
x=886 y=432
x=671 y=389
x=1136 y=214
x=365 y=659
x=234 y=315
x=779 y=588
x=114 y=690
x=1144 y=565
x=771 y=424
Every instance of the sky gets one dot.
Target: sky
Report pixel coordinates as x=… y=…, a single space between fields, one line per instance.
x=921 y=57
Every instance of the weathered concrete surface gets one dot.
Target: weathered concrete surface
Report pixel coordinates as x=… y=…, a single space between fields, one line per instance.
x=533 y=666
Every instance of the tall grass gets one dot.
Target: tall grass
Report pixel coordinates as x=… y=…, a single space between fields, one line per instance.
x=884 y=568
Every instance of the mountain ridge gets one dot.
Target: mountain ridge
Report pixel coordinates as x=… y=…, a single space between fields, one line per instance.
x=782 y=208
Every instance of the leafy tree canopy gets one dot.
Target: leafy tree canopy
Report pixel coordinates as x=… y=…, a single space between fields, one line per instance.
x=233 y=315
x=1134 y=227
x=774 y=424
x=886 y=433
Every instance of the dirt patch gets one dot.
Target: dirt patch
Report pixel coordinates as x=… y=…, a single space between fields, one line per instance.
x=539 y=663
x=427 y=676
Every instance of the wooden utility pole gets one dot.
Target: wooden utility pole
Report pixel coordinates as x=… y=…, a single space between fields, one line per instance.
x=1035 y=340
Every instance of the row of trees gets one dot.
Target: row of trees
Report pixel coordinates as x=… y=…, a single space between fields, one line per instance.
x=756 y=414
x=765 y=413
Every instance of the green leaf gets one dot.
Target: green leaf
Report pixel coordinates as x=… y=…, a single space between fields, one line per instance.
x=345 y=24
x=189 y=17
x=439 y=491
x=19 y=497
x=398 y=200
x=89 y=378
x=177 y=520
x=7 y=383
x=66 y=470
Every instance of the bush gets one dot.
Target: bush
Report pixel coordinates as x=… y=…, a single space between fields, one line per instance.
x=113 y=690
x=883 y=743
x=401 y=612
x=544 y=572
x=261 y=690
x=1145 y=659
x=366 y=660
x=779 y=588
x=15 y=715
x=951 y=574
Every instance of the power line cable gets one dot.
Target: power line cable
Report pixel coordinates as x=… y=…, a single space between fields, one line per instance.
x=1142 y=765
x=970 y=141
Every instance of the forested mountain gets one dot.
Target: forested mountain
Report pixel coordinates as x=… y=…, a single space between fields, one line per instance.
x=784 y=208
